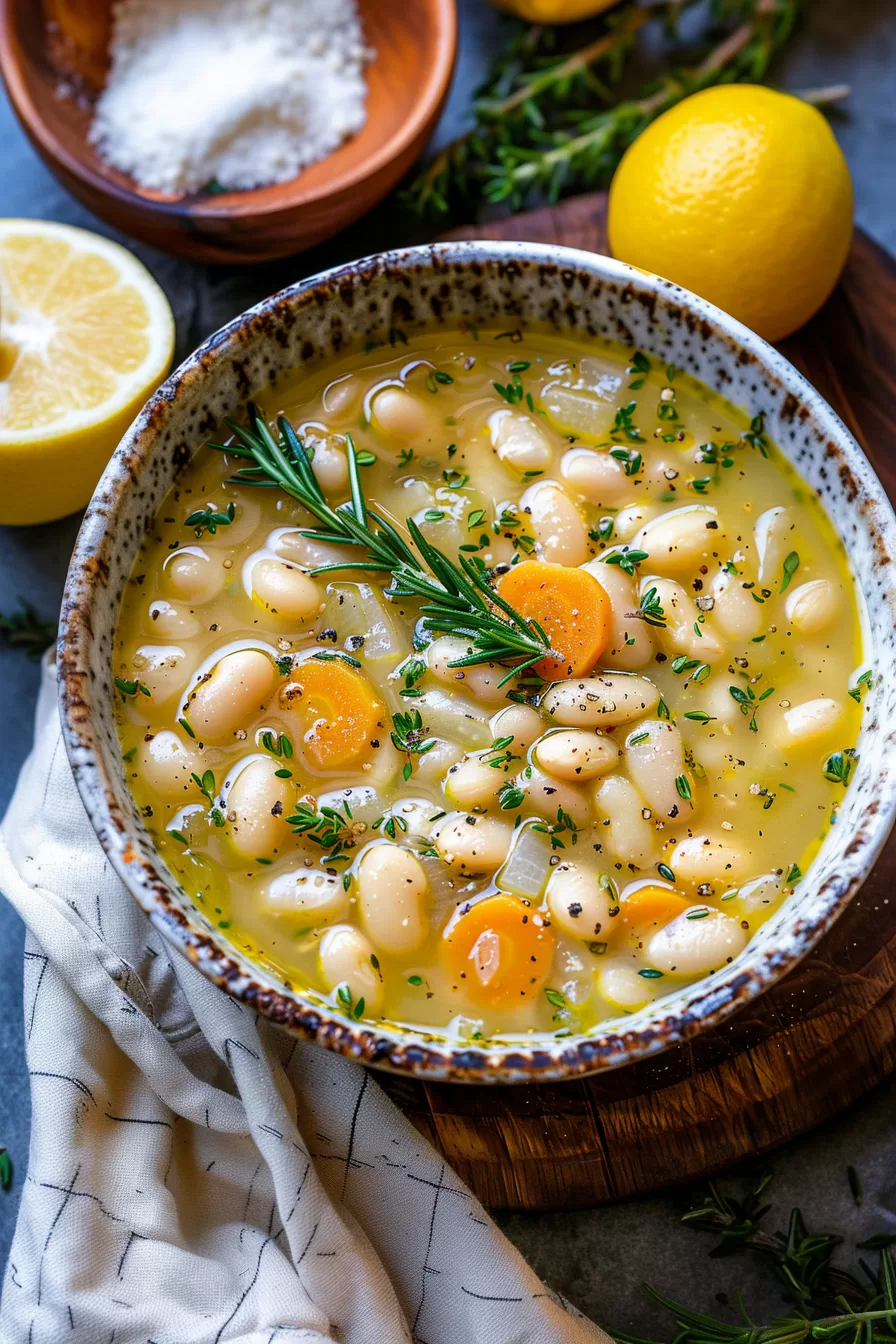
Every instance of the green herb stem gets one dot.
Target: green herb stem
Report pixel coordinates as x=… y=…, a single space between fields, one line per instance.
x=455 y=597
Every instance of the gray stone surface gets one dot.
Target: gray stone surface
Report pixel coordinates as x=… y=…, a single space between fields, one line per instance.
x=599 y=1257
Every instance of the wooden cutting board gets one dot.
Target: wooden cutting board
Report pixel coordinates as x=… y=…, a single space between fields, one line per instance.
x=819 y=1039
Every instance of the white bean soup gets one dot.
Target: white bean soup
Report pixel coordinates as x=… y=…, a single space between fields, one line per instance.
x=565 y=734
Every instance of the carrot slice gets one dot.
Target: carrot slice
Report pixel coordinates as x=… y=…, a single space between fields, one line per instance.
x=339 y=711
x=650 y=906
x=500 y=950
x=569 y=605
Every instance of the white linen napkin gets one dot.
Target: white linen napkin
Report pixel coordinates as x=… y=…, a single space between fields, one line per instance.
x=197 y=1176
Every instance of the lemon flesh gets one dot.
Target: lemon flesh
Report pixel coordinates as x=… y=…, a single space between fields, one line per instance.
x=86 y=335
x=742 y=195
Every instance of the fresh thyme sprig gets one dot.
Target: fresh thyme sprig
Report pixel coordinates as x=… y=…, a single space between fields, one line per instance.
x=205 y=783
x=456 y=598
x=521 y=98
x=832 y=1305
x=553 y=125
x=209 y=520
x=651 y=610
x=330 y=827
x=27 y=631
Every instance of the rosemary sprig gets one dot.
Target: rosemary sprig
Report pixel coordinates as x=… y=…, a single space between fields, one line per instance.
x=456 y=597
x=27 y=631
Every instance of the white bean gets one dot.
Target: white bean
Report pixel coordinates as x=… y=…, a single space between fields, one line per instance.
x=577 y=755
x=381 y=771
x=193 y=575
x=398 y=414
x=631 y=644
x=519 y=441
x=633 y=517
x=416 y=495
x=160 y=669
x=682 y=539
x=417 y=814
x=345 y=959
x=246 y=520
x=696 y=946
x=577 y=902
x=392 y=887
x=257 y=807
x=521 y=722
x=330 y=463
x=314 y=897
x=236 y=687
x=735 y=612
x=481 y=682
x=594 y=476
x=290 y=545
x=654 y=759
x=284 y=590
x=632 y=837
x=700 y=859
x=434 y=764
x=167 y=621
x=440 y=529
x=773 y=534
x=167 y=763
x=342 y=396
x=679 y=635
x=621 y=985
x=561 y=537
x=474 y=845
x=472 y=784
x=755 y=900
x=812 y=719
x=604 y=701
x=546 y=794
x=813 y=607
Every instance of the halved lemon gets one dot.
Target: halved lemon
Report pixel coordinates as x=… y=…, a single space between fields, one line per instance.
x=86 y=335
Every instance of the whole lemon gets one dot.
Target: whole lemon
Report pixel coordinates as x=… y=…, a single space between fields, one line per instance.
x=742 y=195
x=554 y=11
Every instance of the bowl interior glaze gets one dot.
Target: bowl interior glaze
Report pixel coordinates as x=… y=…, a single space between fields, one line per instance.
x=480 y=283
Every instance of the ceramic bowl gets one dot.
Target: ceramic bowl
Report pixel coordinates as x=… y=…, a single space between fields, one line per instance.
x=53 y=59
x=484 y=283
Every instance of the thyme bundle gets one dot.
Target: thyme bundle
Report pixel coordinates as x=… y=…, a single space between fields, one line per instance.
x=548 y=124
x=26 y=630
x=832 y=1305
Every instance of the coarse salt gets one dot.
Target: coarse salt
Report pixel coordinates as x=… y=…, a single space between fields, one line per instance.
x=232 y=93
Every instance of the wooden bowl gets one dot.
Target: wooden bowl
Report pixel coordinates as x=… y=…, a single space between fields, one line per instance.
x=53 y=58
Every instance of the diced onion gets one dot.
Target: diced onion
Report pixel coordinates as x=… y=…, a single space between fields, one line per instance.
x=457 y=720
x=528 y=866
x=355 y=609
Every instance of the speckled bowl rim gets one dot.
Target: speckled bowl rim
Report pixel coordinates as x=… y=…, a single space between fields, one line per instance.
x=689 y=1010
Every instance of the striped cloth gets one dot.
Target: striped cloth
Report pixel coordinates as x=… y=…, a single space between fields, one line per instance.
x=197 y=1176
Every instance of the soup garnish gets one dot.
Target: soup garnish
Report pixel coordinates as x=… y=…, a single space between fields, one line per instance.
x=493 y=683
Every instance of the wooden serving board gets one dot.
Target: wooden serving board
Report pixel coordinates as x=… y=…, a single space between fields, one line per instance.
x=819 y=1039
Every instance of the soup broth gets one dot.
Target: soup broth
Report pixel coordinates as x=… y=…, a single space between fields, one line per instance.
x=370 y=800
